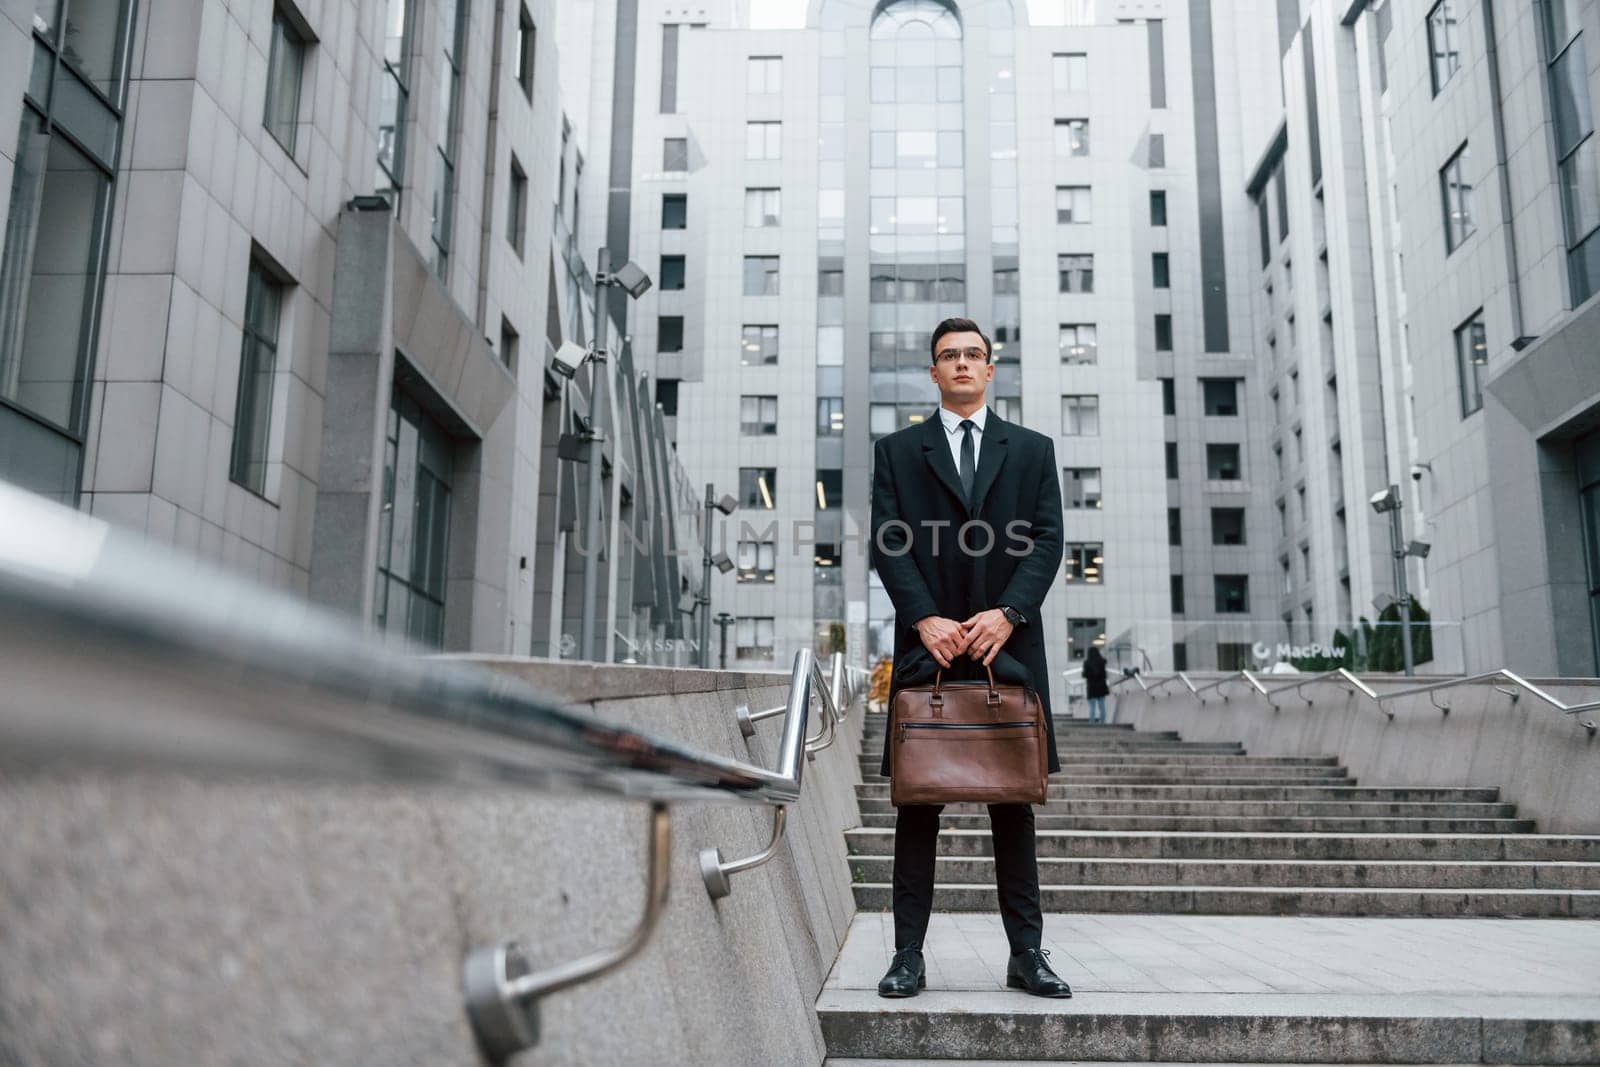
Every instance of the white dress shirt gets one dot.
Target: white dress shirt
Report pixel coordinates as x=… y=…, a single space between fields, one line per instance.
x=953 y=433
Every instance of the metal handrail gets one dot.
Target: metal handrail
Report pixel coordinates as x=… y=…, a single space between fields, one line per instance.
x=216 y=673
x=843 y=684
x=1344 y=678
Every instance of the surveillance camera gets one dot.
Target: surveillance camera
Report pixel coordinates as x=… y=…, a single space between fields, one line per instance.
x=1416 y=473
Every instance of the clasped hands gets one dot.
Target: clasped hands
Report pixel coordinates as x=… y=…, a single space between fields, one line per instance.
x=980 y=636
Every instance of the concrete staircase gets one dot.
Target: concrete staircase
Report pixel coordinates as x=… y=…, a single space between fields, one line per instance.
x=1211 y=905
x=1149 y=823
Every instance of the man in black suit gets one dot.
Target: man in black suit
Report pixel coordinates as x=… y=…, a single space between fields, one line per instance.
x=966 y=535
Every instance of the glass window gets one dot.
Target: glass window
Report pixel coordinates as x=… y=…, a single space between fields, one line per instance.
x=1158 y=150
x=1072 y=137
x=757 y=487
x=830 y=346
x=669 y=333
x=830 y=281
x=258 y=366
x=1222 y=462
x=1177 y=594
x=1081 y=487
x=1073 y=204
x=454 y=31
x=1075 y=273
x=517 y=207
x=527 y=41
x=1172 y=460
x=1080 y=415
x=414 y=531
x=1456 y=188
x=1082 y=634
x=1472 y=355
x=1160 y=275
x=49 y=277
x=759 y=346
x=1265 y=226
x=1221 y=395
x=284 y=65
x=1174 y=526
x=395 y=94
x=763 y=140
x=1443 y=43
x=1163 y=332
x=760 y=275
x=1085 y=563
x=1227 y=526
x=672 y=272
x=762 y=207
x=509 y=339
x=1071 y=72
x=1169 y=397
x=755 y=637
x=758 y=415
x=830 y=416
x=675 y=154
x=764 y=75
x=1078 y=343
x=756 y=561
x=667 y=395
x=674 y=211
x=830 y=488
x=1232 y=592
x=1158 y=207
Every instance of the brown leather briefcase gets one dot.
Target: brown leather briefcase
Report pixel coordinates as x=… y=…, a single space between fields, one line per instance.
x=967 y=741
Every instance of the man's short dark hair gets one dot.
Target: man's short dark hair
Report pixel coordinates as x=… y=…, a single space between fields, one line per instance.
x=958 y=326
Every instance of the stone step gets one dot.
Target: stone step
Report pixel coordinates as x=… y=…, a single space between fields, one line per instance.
x=1171 y=844
x=1170 y=780
x=1262 y=900
x=836 y=1061
x=1210 y=1028
x=1224 y=824
x=1081 y=759
x=1229 y=989
x=1335 y=874
x=1068 y=789
x=1060 y=805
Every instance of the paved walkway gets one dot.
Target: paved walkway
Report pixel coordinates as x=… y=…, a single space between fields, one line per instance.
x=1232 y=989
x=1152 y=955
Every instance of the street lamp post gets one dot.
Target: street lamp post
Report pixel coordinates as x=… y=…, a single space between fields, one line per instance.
x=635 y=282
x=722 y=563
x=1389 y=501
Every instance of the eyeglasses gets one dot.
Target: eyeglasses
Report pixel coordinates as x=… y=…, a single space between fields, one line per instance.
x=973 y=355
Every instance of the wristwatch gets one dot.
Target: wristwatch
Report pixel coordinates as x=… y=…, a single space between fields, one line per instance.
x=1013 y=616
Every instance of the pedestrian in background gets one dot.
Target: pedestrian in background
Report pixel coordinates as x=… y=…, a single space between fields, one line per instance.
x=1094 y=680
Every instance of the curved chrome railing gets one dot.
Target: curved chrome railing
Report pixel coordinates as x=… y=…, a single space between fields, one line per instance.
x=838 y=691
x=1343 y=678
x=118 y=653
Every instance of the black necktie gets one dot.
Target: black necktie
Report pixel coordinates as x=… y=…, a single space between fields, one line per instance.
x=968 y=462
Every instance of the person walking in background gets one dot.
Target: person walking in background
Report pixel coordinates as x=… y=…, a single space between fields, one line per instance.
x=1094 y=681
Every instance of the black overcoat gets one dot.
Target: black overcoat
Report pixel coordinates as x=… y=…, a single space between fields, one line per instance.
x=930 y=565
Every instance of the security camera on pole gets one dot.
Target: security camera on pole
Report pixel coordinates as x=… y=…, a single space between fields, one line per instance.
x=1389 y=501
x=635 y=282
x=726 y=505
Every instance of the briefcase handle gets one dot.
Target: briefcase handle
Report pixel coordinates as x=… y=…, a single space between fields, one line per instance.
x=936 y=698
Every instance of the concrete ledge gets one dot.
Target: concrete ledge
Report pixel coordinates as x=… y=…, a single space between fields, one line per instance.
x=1541 y=760
x=161 y=920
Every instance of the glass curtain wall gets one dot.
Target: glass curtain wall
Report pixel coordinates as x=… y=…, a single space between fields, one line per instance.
x=414 y=526
x=53 y=262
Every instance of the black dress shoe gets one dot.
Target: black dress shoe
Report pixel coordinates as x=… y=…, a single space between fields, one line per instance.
x=1030 y=970
x=907 y=974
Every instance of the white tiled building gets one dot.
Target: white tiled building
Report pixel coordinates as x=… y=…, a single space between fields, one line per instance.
x=1457 y=190
x=896 y=164
x=280 y=283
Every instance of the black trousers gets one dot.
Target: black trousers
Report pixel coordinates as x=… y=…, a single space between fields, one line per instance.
x=1016 y=871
